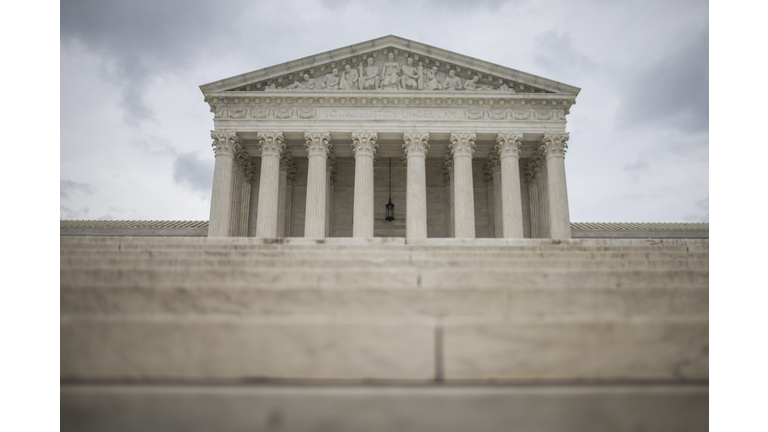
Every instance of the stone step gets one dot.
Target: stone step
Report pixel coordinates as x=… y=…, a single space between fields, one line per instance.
x=305 y=407
x=390 y=349
x=149 y=261
x=383 y=277
x=388 y=253
x=517 y=302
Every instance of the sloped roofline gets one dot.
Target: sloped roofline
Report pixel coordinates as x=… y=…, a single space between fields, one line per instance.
x=385 y=42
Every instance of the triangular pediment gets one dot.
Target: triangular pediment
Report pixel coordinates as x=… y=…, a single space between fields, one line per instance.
x=387 y=59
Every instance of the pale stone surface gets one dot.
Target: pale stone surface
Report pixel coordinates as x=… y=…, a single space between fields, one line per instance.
x=271 y=145
x=224 y=145
x=509 y=147
x=226 y=347
x=416 y=147
x=317 y=144
x=638 y=349
x=554 y=147
x=555 y=408
x=364 y=145
x=462 y=148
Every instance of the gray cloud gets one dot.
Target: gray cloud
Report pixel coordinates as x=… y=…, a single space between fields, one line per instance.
x=66 y=187
x=192 y=172
x=556 y=53
x=638 y=165
x=702 y=214
x=673 y=90
x=139 y=39
x=66 y=213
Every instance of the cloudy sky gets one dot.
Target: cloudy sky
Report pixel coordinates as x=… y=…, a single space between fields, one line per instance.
x=135 y=140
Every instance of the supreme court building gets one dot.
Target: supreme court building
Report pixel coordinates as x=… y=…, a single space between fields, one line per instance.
x=316 y=147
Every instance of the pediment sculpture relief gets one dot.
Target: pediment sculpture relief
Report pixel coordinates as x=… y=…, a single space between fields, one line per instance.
x=392 y=75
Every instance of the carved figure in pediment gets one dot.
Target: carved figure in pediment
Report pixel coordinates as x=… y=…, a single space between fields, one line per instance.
x=390 y=74
x=411 y=76
x=331 y=81
x=452 y=82
x=369 y=76
x=432 y=82
x=506 y=88
x=307 y=84
x=349 y=79
x=472 y=85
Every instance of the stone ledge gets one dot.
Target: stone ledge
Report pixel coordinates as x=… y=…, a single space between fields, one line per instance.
x=561 y=408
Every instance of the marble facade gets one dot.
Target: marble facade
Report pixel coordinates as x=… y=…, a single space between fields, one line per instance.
x=303 y=148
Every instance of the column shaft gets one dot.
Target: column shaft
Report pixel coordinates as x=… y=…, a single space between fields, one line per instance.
x=462 y=147
x=288 y=208
x=364 y=148
x=221 y=195
x=237 y=198
x=271 y=144
x=281 y=202
x=497 y=209
x=490 y=186
x=509 y=147
x=416 y=145
x=554 y=146
x=317 y=144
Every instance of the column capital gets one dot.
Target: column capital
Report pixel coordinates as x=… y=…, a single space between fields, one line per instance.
x=317 y=143
x=416 y=143
x=447 y=169
x=462 y=144
x=364 y=143
x=242 y=158
x=488 y=173
x=271 y=143
x=509 y=144
x=250 y=172
x=554 y=144
x=224 y=142
x=330 y=166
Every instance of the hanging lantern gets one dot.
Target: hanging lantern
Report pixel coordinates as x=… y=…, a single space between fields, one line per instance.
x=390 y=207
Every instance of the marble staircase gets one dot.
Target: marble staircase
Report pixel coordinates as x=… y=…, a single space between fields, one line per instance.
x=379 y=334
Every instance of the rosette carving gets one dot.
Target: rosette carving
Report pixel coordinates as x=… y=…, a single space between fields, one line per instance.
x=509 y=144
x=416 y=143
x=364 y=143
x=271 y=143
x=554 y=144
x=224 y=142
x=317 y=143
x=462 y=144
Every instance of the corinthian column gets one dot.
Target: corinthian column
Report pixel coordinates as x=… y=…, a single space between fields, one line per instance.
x=462 y=148
x=246 y=197
x=416 y=146
x=271 y=146
x=290 y=181
x=364 y=148
x=497 y=208
x=554 y=147
x=224 y=146
x=318 y=144
x=235 y=220
x=448 y=171
x=281 y=190
x=490 y=186
x=509 y=146
x=530 y=178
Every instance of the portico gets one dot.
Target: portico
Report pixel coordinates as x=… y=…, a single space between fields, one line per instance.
x=479 y=160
